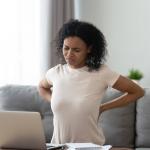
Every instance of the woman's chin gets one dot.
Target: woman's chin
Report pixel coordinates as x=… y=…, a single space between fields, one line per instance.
x=71 y=63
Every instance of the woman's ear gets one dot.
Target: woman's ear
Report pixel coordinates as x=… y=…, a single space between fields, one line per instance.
x=89 y=49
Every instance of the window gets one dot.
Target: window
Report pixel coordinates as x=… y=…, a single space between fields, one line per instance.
x=19 y=41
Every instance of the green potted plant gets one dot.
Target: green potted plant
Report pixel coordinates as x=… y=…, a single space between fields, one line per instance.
x=135 y=74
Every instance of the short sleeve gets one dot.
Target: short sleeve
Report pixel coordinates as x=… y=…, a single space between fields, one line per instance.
x=51 y=74
x=110 y=76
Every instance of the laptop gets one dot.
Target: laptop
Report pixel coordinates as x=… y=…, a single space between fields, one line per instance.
x=21 y=130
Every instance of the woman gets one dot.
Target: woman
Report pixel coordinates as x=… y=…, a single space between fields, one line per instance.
x=75 y=88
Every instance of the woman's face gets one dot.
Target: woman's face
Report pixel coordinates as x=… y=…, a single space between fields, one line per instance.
x=75 y=51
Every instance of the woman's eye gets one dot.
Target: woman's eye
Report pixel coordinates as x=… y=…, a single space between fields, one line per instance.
x=77 y=50
x=66 y=48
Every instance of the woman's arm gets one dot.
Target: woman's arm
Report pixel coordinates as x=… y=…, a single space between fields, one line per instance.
x=44 y=89
x=132 y=93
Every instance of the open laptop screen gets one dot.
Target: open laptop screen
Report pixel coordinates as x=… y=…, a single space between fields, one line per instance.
x=21 y=130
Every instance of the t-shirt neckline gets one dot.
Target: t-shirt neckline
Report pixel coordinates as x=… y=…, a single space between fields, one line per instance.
x=84 y=68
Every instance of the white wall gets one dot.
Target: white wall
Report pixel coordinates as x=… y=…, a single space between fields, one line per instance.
x=126 y=26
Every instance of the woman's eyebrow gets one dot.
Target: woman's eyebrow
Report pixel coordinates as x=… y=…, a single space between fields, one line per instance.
x=66 y=45
x=74 y=48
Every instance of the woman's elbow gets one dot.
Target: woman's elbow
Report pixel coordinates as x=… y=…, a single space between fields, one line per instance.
x=143 y=92
x=140 y=92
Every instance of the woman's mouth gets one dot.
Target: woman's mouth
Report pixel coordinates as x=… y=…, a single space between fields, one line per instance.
x=70 y=60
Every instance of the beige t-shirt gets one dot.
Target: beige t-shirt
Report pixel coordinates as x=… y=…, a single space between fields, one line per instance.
x=75 y=102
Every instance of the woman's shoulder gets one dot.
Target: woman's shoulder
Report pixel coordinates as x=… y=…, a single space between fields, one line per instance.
x=57 y=68
x=54 y=71
x=106 y=69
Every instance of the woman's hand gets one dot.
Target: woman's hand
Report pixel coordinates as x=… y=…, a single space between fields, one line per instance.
x=44 y=89
x=101 y=109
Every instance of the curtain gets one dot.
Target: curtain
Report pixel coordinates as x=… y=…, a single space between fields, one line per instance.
x=59 y=12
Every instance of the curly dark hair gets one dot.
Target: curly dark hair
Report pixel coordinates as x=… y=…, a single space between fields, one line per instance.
x=92 y=36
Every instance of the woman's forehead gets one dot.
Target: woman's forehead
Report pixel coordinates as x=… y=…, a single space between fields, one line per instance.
x=74 y=41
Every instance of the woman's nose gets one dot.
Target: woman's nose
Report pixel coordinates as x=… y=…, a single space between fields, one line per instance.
x=69 y=53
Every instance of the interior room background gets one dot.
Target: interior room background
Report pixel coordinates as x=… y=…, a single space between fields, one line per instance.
x=28 y=28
